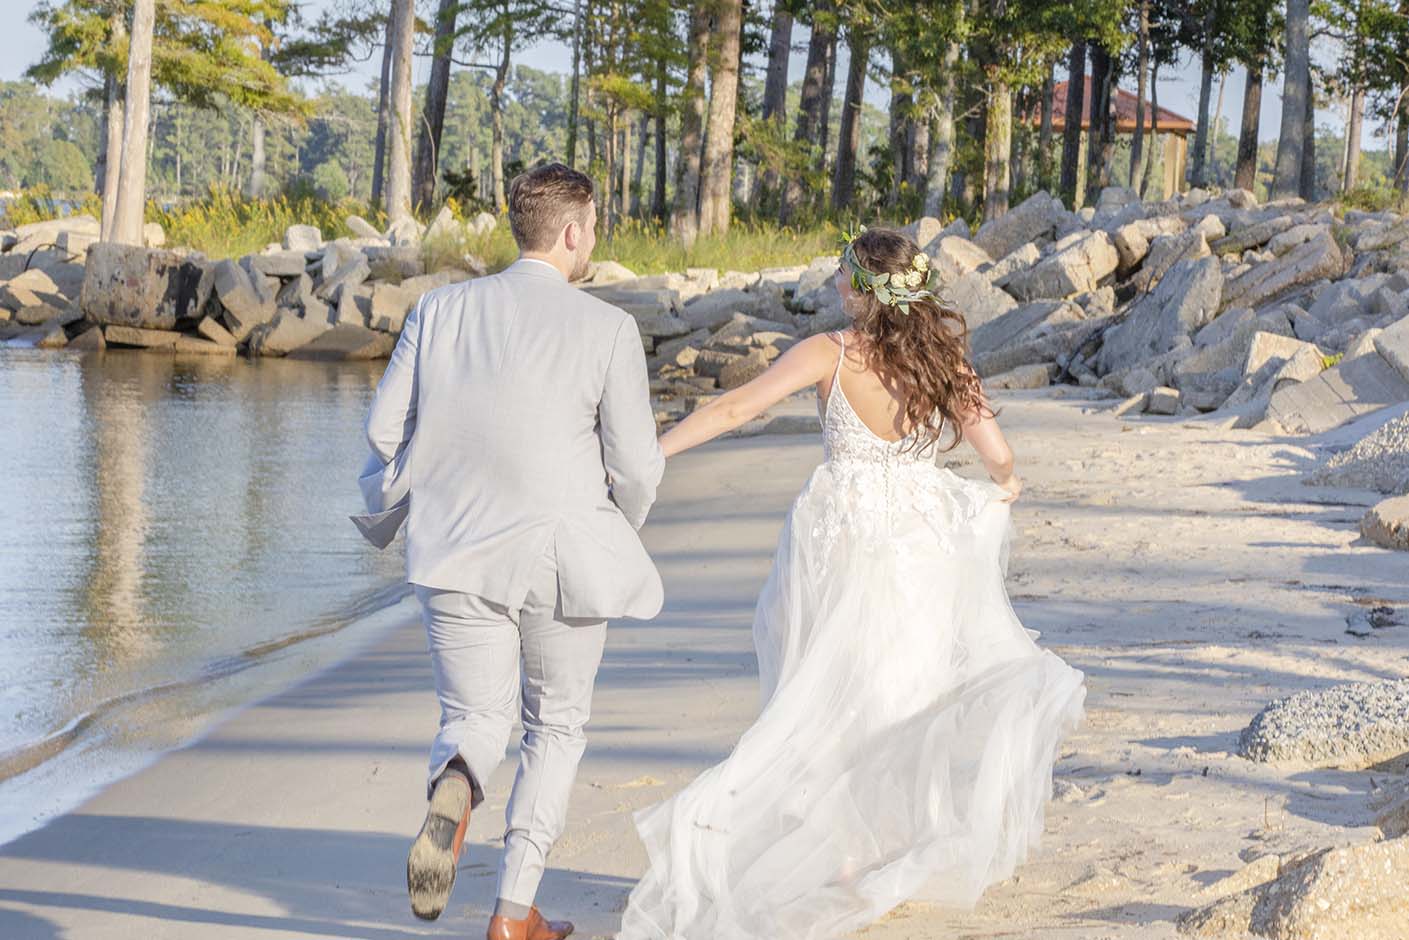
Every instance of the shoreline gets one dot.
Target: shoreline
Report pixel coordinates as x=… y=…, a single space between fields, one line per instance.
x=1190 y=596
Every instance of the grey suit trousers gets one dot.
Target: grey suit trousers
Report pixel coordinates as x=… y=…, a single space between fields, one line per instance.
x=492 y=663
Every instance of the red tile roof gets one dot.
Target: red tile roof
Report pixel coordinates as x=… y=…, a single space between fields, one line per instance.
x=1124 y=103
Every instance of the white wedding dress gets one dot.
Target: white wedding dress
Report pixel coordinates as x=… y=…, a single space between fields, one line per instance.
x=909 y=721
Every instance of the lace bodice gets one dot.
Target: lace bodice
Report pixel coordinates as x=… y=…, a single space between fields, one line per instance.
x=874 y=484
x=846 y=438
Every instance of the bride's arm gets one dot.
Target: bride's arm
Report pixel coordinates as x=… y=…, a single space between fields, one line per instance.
x=986 y=438
x=806 y=363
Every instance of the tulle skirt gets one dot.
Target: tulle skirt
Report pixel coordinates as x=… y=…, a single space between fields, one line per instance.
x=908 y=729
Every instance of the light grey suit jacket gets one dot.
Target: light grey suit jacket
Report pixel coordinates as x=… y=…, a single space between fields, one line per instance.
x=515 y=415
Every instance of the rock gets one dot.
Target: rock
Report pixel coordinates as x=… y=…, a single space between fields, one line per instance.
x=405 y=232
x=953 y=257
x=1165 y=251
x=1387 y=524
x=389 y=306
x=711 y=362
x=1097 y=303
x=1164 y=401
x=35 y=235
x=1320 y=257
x=1134 y=404
x=743 y=370
x=361 y=228
x=354 y=306
x=1267 y=347
x=483 y=223
x=279 y=263
x=194 y=346
x=117 y=335
x=245 y=306
x=153 y=235
x=347 y=342
x=1286 y=240
x=76 y=245
x=346 y=274
x=1037 y=375
x=211 y=329
x=1021 y=257
x=1383 y=237
x=1356 y=892
x=977 y=299
x=924 y=231
x=682 y=350
x=285 y=333
x=422 y=283
x=740 y=280
x=1057 y=346
x=665 y=326
x=1212 y=228
x=788 y=278
x=1186 y=299
x=1379 y=461
x=641 y=304
x=1034 y=218
x=740 y=330
x=50 y=335
x=816 y=276
x=1352 y=388
x=298 y=294
x=303 y=238
x=609 y=272
x=130 y=286
x=1350 y=725
x=1017 y=324
x=1132 y=241
x=1393 y=345
x=1077 y=268
x=713 y=310
x=1345 y=299
x=89 y=340
x=443 y=225
x=1252 y=236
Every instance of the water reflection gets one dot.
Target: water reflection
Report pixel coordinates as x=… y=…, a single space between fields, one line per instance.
x=163 y=513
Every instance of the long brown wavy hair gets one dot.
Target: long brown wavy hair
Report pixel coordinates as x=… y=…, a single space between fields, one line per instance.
x=921 y=356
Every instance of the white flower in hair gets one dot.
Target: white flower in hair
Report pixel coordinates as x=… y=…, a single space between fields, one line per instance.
x=921 y=261
x=913 y=279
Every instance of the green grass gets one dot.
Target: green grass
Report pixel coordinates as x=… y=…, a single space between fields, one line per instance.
x=224 y=224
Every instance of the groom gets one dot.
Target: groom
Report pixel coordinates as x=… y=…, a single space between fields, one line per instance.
x=513 y=433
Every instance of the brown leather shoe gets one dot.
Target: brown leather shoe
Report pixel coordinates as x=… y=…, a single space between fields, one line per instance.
x=430 y=868
x=532 y=927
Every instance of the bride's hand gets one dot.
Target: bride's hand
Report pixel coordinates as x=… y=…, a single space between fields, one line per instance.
x=1013 y=486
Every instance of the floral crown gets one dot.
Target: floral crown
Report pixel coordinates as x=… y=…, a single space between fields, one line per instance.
x=898 y=289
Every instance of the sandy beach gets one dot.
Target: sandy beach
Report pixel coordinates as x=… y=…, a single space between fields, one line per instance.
x=1185 y=569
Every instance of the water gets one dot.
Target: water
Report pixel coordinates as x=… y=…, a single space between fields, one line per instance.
x=173 y=541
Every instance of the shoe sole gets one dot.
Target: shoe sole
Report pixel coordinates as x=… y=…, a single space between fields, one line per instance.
x=430 y=867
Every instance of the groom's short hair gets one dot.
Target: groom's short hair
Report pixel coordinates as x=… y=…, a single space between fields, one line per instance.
x=543 y=200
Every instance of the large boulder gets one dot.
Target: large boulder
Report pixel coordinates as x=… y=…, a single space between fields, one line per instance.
x=302 y=238
x=246 y=302
x=349 y=342
x=57 y=286
x=1308 y=262
x=954 y=256
x=1358 y=892
x=390 y=304
x=1056 y=345
x=1352 y=388
x=1132 y=240
x=131 y=286
x=285 y=333
x=1186 y=299
x=713 y=310
x=1036 y=217
x=1346 y=299
x=1165 y=251
x=1252 y=236
x=1355 y=724
x=1025 y=255
x=1017 y=324
x=977 y=299
x=1387 y=523
x=1075 y=269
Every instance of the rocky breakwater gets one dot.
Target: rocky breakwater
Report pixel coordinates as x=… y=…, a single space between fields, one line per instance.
x=306 y=297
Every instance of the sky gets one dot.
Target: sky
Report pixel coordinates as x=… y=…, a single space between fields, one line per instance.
x=21 y=44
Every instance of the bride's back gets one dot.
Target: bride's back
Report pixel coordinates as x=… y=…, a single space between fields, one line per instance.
x=879 y=406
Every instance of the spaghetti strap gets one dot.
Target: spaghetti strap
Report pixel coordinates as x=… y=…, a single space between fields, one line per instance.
x=836 y=373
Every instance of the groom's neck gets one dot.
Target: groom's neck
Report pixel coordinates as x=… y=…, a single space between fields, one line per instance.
x=564 y=265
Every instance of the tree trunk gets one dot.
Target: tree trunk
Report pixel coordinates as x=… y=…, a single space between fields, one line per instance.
x=1100 y=73
x=1215 y=128
x=400 y=117
x=573 y=95
x=1196 y=168
x=433 y=117
x=997 y=147
x=902 y=106
x=132 y=177
x=780 y=44
x=1142 y=66
x=942 y=137
x=1044 y=132
x=1071 y=133
x=1245 y=174
x=496 y=137
x=1357 y=116
x=829 y=87
x=255 y=185
x=849 y=134
x=685 y=214
x=1401 y=145
x=1306 y=184
x=1149 y=171
x=383 y=116
x=716 y=185
x=810 y=104
x=638 y=168
x=1107 y=136
x=1296 y=79
x=658 y=198
x=112 y=148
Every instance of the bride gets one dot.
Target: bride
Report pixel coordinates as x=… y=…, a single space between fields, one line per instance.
x=909 y=722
